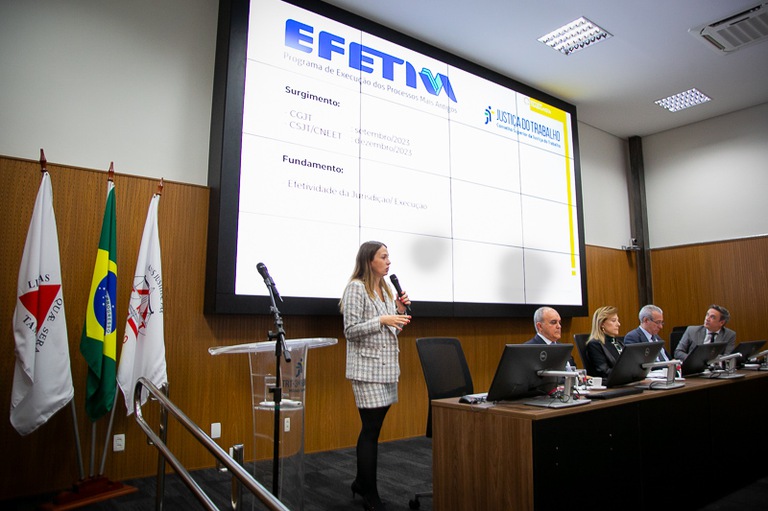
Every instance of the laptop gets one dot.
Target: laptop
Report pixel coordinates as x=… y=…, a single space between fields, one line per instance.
x=629 y=367
x=697 y=361
x=748 y=349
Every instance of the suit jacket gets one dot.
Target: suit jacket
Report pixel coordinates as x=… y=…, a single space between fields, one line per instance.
x=537 y=339
x=695 y=335
x=638 y=335
x=602 y=357
x=372 y=348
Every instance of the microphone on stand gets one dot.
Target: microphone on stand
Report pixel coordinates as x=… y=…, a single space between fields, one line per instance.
x=396 y=283
x=268 y=280
x=280 y=334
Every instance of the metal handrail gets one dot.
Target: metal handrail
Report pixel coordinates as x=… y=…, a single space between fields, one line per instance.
x=237 y=470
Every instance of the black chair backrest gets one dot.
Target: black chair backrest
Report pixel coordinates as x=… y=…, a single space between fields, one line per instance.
x=580 y=340
x=445 y=370
x=674 y=338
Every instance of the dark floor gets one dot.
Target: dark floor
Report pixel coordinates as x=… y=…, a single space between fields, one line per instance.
x=404 y=468
x=753 y=497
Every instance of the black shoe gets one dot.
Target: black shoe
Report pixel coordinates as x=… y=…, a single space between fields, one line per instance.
x=356 y=489
x=373 y=504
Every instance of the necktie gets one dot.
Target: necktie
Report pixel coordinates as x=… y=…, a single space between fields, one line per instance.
x=712 y=336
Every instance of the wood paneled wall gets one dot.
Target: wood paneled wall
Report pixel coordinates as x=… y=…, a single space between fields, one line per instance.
x=734 y=274
x=217 y=389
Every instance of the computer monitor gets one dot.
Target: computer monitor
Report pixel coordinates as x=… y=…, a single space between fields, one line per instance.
x=698 y=359
x=629 y=367
x=517 y=374
x=748 y=349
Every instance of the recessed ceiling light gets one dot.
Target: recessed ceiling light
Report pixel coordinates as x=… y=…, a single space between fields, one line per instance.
x=687 y=99
x=575 y=36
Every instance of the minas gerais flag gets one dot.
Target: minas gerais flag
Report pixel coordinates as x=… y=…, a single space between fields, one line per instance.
x=42 y=379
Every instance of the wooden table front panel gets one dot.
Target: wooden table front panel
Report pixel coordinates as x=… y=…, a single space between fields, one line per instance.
x=481 y=460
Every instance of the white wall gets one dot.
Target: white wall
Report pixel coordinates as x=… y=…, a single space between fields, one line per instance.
x=604 y=160
x=95 y=81
x=707 y=181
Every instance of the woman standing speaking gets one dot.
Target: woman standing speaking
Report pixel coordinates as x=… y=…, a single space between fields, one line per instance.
x=373 y=317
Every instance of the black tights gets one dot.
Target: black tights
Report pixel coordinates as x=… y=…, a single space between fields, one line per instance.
x=368 y=448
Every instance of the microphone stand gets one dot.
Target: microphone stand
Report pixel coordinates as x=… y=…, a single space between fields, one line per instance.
x=280 y=351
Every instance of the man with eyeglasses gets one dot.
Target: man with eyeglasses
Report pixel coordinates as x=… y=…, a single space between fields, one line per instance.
x=651 y=322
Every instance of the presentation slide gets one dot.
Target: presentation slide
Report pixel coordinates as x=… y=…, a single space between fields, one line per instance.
x=349 y=137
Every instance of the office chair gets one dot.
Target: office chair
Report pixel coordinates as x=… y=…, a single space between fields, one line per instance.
x=446 y=374
x=580 y=340
x=674 y=339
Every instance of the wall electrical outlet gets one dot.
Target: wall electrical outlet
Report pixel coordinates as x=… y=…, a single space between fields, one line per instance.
x=118 y=443
x=216 y=430
x=287 y=424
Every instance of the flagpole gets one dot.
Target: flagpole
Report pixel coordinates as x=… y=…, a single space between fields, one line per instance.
x=75 y=427
x=160 y=495
x=77 y=440
x=110 y=178
x=109 y=433
x=93 y=450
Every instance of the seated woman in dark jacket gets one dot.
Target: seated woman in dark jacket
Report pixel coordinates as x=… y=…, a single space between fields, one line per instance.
x=604 y=346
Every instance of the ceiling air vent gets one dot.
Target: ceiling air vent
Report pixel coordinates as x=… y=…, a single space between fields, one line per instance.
x=736 y=31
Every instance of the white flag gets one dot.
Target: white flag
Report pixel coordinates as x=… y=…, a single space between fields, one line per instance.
x=42 y=378
x=143 y=352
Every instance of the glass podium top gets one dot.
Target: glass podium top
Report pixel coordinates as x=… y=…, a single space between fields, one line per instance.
x=290 y=344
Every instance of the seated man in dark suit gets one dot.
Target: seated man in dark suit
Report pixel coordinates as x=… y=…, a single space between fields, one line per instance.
x=651 y=322
x=713 y=330
x=549 y=328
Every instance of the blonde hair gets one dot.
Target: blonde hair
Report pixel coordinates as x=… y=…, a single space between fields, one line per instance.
x=598 y=318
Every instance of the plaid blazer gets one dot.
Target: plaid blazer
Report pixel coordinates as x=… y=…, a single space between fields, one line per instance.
x=372 y=348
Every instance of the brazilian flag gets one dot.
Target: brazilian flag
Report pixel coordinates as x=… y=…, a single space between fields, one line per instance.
x=98 y=342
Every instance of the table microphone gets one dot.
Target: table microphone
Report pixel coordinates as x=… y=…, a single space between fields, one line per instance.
x=396 y=283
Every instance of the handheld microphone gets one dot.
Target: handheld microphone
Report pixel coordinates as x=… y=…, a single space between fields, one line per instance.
x=396 y=283
x=268 y=280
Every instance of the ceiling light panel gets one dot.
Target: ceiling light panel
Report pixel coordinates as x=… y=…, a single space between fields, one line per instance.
x=575 y=36
x=683 y=100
